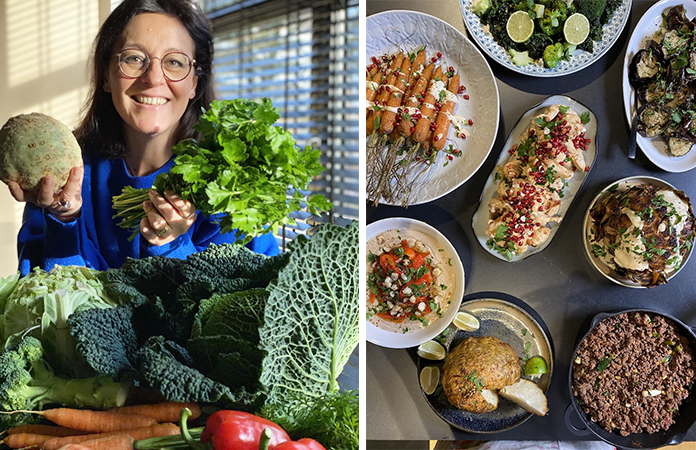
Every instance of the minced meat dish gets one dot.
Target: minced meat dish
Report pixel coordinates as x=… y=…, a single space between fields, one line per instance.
x=632 y=372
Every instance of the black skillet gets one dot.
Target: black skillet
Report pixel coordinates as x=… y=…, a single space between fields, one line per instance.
x=672 y=436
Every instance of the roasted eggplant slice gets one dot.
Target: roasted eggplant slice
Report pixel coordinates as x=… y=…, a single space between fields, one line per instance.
x=653 y=119
x=673 y=43
x=678 y=145
x=646 y=65
x=652 y=92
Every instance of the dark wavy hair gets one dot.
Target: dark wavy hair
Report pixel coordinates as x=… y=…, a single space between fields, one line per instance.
x=100 y=131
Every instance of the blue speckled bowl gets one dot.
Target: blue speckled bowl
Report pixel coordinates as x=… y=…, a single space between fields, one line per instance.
x=513 y=321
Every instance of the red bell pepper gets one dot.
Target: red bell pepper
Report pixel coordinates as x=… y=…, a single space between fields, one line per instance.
x=302 y=444
x=234 y=430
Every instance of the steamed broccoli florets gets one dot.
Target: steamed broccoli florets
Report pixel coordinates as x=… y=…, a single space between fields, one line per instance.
x=481 y=7
x=553 y=55
x=28 y=383
x=555 y=13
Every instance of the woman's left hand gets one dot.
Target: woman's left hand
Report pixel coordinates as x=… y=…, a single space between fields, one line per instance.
x=168 y=217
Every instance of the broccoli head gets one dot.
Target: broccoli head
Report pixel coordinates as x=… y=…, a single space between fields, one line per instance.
x=555 y=13
x=553 y=55
x=28 y=383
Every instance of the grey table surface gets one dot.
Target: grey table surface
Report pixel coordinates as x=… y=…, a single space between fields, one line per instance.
x=559 y=283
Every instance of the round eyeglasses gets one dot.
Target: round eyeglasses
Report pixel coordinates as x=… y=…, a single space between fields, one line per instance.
x=134 y=63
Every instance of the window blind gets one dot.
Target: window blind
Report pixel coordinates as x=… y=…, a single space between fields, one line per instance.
x=303 y=55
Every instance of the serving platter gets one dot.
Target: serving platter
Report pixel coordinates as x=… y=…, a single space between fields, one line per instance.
x=654 y=148
x=579 y=60
x=394 y=339
x=480 y=218
x=601 y=266
x=513 y=321
x=390 y=31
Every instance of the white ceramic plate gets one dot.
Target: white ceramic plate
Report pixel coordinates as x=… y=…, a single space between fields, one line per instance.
x=390 y=31
x=480 y=219
x=578 y=61
x=619 y=186
x=654 y=148
x=391 y=339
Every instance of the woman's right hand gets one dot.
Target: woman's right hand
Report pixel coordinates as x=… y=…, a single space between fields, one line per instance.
x=64 y=205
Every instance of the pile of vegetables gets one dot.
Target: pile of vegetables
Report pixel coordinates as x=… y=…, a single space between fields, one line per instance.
x=547 y=43
x=239 y=172
x=225 y=327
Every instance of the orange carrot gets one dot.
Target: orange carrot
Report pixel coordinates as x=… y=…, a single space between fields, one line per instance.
x=161 y=412
x=427 y=110
x=374 y=78
x=93 y=421
x=396 y=96
x=75 y=447
x=374 y=115
x=115 y=442
x=444 y=116
x=414 y=100
x=158 y=430
x=47 y=430
x=24 y=440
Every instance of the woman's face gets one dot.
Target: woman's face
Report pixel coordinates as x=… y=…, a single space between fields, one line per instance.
x=151 y=105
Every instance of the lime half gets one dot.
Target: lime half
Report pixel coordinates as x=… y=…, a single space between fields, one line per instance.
x=432 y=350
x=465 y=321
x=520 y=26
x=576 y=29
x=535 y=366
x=429 y=379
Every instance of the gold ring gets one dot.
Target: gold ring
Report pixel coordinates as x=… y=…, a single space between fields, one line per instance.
x=163 y=231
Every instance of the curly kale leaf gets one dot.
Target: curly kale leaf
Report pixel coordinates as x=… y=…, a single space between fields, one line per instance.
x=166 y=368
x=311 y=319
x=106 y=339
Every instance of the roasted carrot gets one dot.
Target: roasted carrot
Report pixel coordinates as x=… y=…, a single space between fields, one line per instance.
x=48 y=430
x=427 y=111
x=24 y=440
x=396 y=95
x=115 y=442
x=374 y=78
x=75 y=447
x=161 y=412
x=375 y=113
x=93 y=421
x=443 y=120
x=158 y=430
x=413 y=101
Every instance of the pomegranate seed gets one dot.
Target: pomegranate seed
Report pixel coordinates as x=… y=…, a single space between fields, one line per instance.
x=439 y=54
x=471 y=122
x=465 y=97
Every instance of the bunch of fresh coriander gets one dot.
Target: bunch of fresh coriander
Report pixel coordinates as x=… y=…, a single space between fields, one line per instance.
x=239 y=172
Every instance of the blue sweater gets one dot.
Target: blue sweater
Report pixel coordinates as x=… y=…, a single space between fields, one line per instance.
x=95 y=240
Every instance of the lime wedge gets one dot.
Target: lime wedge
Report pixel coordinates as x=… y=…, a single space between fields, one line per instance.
x=576 y=29
x=432 y=350
x=429 y=379
x=465 y=321
x=535 y=366
x=520 y=26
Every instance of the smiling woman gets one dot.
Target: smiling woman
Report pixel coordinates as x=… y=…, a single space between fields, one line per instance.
x=151 y=77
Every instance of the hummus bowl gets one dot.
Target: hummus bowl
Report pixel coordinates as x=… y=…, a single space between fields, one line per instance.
x=398 y=323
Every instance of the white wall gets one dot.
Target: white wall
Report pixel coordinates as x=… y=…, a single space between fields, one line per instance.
x=44 y=51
